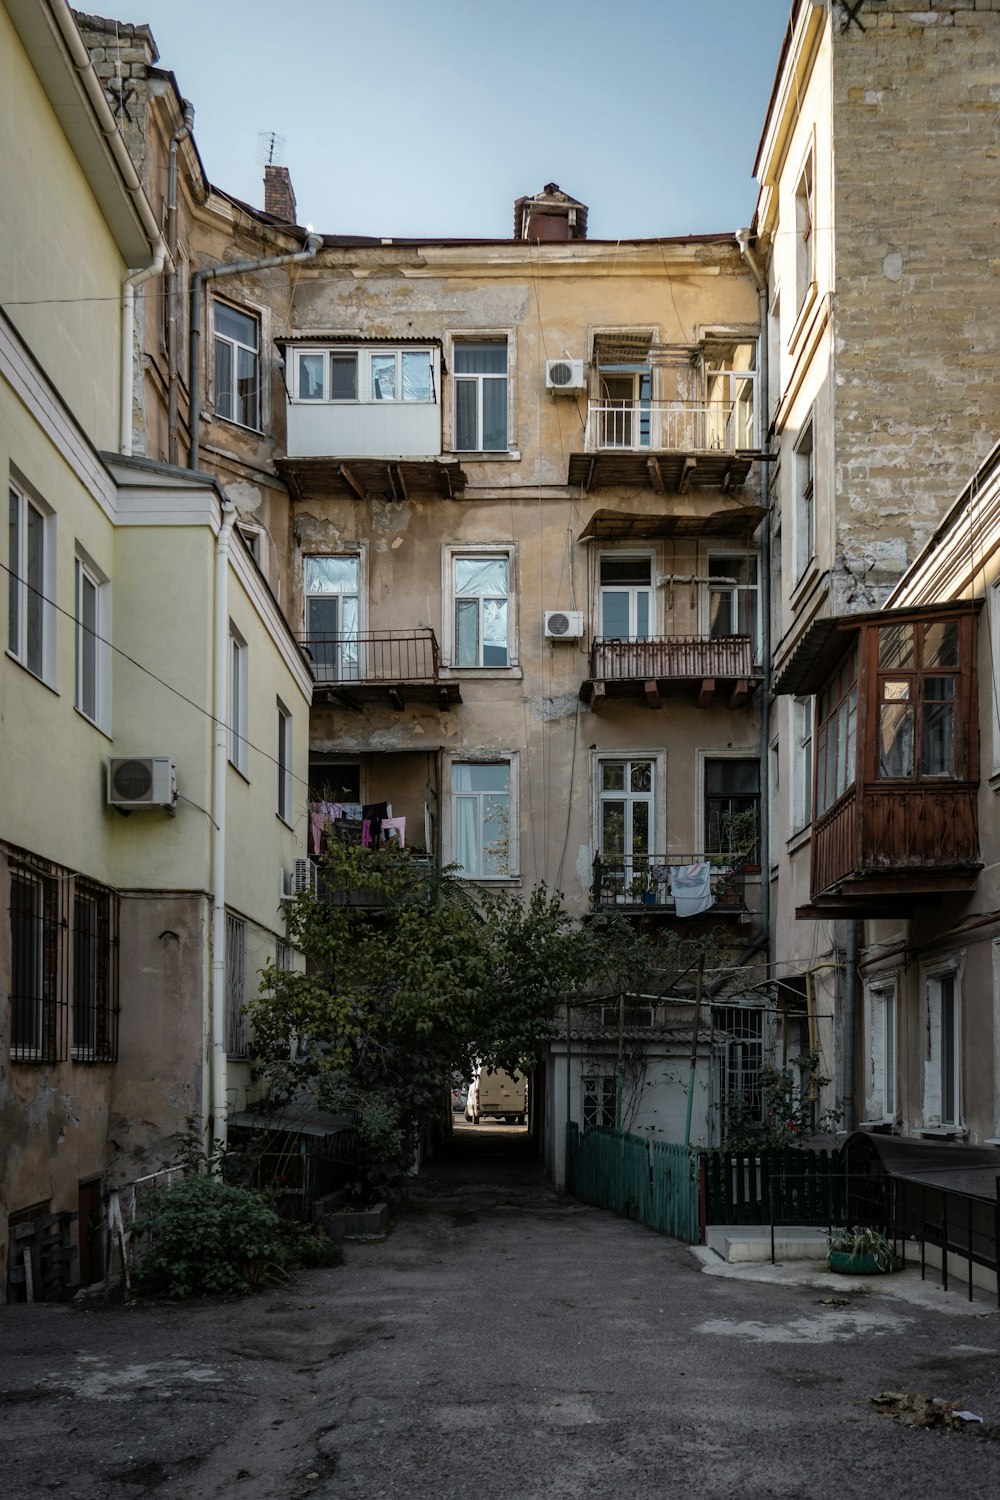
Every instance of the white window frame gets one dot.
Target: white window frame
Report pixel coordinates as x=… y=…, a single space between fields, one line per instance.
x=734 y=590
x=346 y=666
x=804 y=203
x=238 y=701
x=804 y=483
x=363 y=355
x=93 y=643
x=801 y=790
x=511 y=759
x=456 y=338
x=657 y=796
x=255 y=314
x=941 y=983
x=450 y=554
x=22 y=597
x=284 y=763
x=881 y=1051
x=633 y=590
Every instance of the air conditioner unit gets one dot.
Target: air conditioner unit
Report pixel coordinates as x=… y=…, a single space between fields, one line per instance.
x=301 y=879
x=138 y=781
x=563 y=624
x=564 y=375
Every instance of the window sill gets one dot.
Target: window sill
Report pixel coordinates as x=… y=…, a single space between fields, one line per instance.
x=804 y=583
x=242 y=426
x=482 y=674
x=94 y=724
x=944 y=1132
x=243 y=775
x=494 y=882
x=24 y=668
x=799 y=839
x=802 y=316
x=477 y=456
x=286 y=821
x=992 y=1140
x=994 y=782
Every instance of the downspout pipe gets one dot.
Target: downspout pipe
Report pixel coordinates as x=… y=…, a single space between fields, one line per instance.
x=313 y=244
x=220 y=760
x=161 y=260
x=182 y=133
x=849 y=1007
x=744 y=237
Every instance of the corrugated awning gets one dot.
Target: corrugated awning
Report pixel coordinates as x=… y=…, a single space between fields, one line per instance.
x=298 y=1119
x=618 y=525
x=623 y=348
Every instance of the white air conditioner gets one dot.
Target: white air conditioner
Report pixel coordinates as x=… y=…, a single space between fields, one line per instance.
x=302 y=878
x=563 y=624
x=564 y=375
x=137 y=781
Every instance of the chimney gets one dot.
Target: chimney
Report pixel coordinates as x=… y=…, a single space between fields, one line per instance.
x=279 y=198
x=550 y=215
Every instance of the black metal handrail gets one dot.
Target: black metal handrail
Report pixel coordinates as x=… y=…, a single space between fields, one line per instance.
x=648 y=880
x=374 y=656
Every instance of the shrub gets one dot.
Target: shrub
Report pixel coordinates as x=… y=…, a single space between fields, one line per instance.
x=203 y=1235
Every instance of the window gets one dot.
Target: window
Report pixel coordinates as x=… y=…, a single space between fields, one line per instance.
x=482 y=825
x=835 y=741
x=732 y=807
x=805 y=510
x=625 y=392
x=918 y=674
x=802 y=763
x=625 y=816
x=38 y=968
x=91 y=650
x=942 y=1058
x=481 y=611
x=730 y=385
x=253 y=538
x=626 y=597
x=237 y=366
x=733 y=596
x=741 y=1061
x=333 y=602
x=31 y=562
x=481 y=396
x=238 y=700
x=366 y=375
x=284 y=759
x=95 y=973
x=236 y=986
x=599 y=1100
x=881 y=1101
x=804 y=241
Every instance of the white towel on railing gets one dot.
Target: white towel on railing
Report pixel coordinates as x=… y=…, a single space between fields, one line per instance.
x=692 y=888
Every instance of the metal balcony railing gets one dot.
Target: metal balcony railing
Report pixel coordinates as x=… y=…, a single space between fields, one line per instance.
x=650 y=881
x=668 y=426
x=374 y=656
x=676 y=656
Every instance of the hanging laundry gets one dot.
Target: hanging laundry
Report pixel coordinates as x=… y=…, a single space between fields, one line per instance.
x=394 y=829
x=692 y=888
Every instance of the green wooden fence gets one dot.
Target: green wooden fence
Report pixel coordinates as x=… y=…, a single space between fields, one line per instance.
x=652 y=1181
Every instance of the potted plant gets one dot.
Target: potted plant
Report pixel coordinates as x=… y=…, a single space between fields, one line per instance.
x=861 y=1252
x=641 y=888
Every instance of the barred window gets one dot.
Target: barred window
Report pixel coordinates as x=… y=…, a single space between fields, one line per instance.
x=236 y=986
x=95 y=973
x=38 y=984
x=599 y=1095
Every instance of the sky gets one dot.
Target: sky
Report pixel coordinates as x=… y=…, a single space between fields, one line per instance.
x=416 y=118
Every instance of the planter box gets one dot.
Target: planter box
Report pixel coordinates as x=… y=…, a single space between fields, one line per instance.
x=350 y=1224
x=856 y=1265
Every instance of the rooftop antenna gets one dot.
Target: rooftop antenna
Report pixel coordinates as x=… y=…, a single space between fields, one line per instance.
x=270 y=148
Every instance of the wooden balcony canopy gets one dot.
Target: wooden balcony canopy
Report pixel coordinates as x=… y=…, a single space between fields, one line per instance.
x=714 y=669
x=387 y=479
x=896 y=757
x=739 y=521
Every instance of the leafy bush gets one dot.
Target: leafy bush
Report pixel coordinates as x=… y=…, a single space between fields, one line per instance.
x=861 y=1242
x=203 y=1235
x=310 y=1249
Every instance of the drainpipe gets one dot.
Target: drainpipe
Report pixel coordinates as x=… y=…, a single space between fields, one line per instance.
x=850 y=986
x=161 y=260
x=314 y=243
x=183 y=133
x=220 y=759
x=743 y=239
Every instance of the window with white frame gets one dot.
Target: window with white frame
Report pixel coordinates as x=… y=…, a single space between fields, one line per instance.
x=31 y=563
x=804 y=238
x=365 y=375
x=626 y=820
x=333 y=612
x=625 y=596
x=284 y=759
x=239 y=687
x=481 y=609
x=881 y=1071
x=236 y=986
x=480 y=390
x=599 y=1101
x=237 y=365
x=802 y=763
x=91 y=647
x=483 y=835
x=942 y=1050
x=805 y=508
x=733 y=596
x=730 y=394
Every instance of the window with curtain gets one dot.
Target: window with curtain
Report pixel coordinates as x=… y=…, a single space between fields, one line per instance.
x=333 y=602
x=481 y=818
x=481 y=611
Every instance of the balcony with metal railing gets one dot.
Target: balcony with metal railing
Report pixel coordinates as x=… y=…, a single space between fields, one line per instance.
x=395 y=666
x=669 y=445
x=678 y=885
x=712 y=669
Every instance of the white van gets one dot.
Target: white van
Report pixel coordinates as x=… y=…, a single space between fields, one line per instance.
x=503 y=1096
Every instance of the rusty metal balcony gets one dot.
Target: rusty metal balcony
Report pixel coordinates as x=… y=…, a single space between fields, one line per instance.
x=715 y=669
x=395 y=666
x=646 y=883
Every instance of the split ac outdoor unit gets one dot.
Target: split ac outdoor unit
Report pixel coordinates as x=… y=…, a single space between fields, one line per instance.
x=563 y=624
x=303 y=877
x=564 y=375
x=142 y=781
